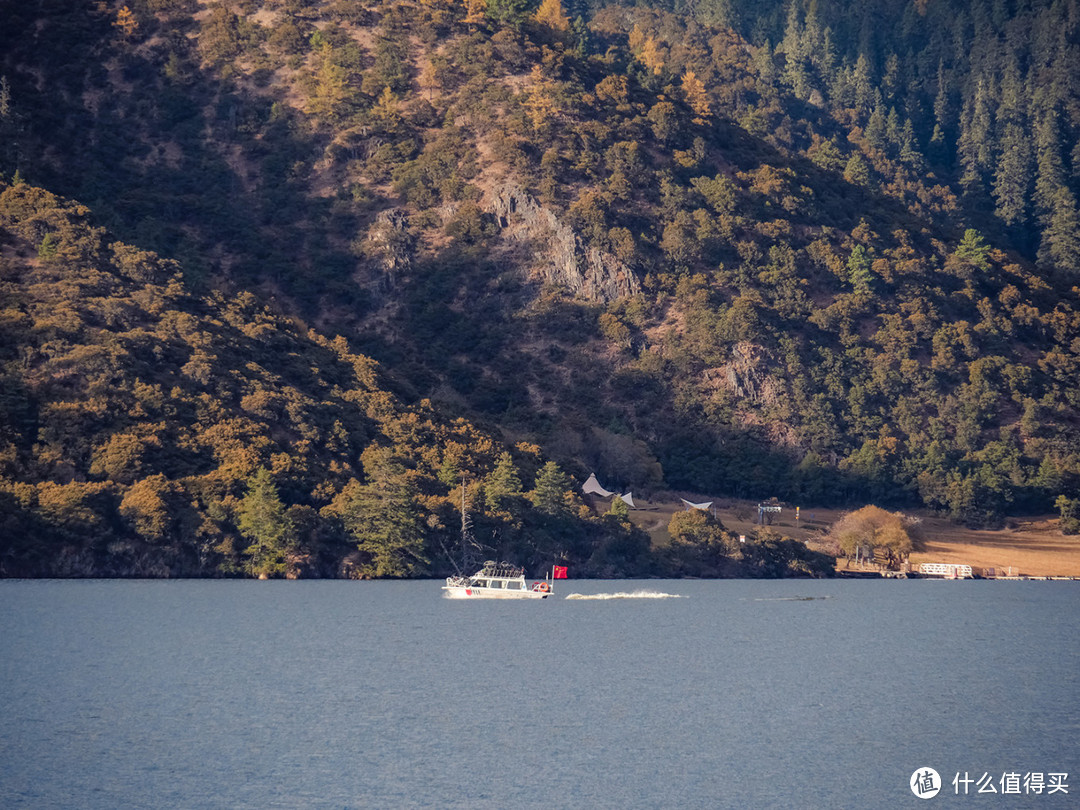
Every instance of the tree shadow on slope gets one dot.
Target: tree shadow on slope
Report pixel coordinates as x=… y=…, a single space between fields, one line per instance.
x=174 y=159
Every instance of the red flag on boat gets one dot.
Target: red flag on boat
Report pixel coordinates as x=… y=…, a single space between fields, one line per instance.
x=558 y=572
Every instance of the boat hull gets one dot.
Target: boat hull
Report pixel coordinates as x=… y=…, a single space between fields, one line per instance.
x=461 y=592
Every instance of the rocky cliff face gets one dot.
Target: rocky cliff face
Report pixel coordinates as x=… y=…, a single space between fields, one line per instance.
x=567 y=261
x=392 y=245
x=747 y=377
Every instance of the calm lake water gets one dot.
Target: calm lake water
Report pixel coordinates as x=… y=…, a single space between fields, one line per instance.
x=684 y=694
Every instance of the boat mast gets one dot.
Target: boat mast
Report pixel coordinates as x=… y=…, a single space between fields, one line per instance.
x=471 y=552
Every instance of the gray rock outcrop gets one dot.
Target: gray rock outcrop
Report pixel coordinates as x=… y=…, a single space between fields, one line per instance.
x=586 y=272
x=392 y=244
x=747 y=377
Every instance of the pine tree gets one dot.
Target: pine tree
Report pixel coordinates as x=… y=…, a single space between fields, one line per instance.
x=263 y=523
x=619 y=509
x=974 y=250
x=1012 y=170
x=652 y=55
x=582 y=36
x=549 y=494
x=937 y=151
x=503 y=484
x=825 y=56
x=1060 y=247
x=795 y=61
x=1013 y=177
x=1050 y=169
x=816 y=44
x=386 y=110
x=941 y=98
x=909 y=149
x=511 y=13
x=765 y=67
x=890 y=79
x=974 y=146
x=875 y=128
x=859 y=273
x=863 y=81
x=429 y=78
x=857 y=171
x=383 y=518
x=981 y=125
x=331 y=89
x=541 y=100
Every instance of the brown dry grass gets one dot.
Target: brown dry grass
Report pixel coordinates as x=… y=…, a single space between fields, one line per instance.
x=1029 y=546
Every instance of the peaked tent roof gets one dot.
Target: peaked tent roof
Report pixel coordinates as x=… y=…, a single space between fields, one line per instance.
x=593 y=486
x=629 y=499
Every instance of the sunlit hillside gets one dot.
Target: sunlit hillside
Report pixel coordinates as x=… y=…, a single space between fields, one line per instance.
x=818 y=251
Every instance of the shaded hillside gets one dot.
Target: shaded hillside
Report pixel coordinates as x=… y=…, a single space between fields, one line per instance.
x=653 y=247
x=146 y=431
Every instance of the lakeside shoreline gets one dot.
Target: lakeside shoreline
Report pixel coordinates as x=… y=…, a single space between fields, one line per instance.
x=1030 y=545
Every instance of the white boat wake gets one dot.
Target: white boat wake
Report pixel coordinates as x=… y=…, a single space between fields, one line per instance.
x=625 y=595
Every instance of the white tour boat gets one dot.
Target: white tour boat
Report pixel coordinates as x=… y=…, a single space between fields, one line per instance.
x=496 y=581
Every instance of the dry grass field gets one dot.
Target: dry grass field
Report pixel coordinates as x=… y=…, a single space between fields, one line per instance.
x=1029 y=546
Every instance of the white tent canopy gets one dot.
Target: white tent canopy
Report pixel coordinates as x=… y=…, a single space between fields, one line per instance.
x=704 y=507
x=592 y=486
x=628 y=498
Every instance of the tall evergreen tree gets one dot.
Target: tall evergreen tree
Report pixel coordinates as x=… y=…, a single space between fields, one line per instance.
x=863 y=84
x=859 y=273
x=981 y=124
x=263 y=523
x=909 y=148
x=875 y=128
x=383 y=518
x=795 y=56
x=1060 y=247
x=973 y=250
x=941 y=99
x=1050 y=169
x=549 y=494
x=511 y=13
x=1013 y=177
x=857 y=171
x=503 y=484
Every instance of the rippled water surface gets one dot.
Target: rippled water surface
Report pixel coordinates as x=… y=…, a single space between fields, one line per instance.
x=639 y=694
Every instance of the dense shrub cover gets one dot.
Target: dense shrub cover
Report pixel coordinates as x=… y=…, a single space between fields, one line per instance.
x=852 y=228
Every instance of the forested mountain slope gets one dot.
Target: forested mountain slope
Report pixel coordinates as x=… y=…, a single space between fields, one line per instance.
x=148 y=431
x=821 y=250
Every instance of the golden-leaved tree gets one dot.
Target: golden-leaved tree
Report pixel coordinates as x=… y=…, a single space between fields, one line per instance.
x=552 y=15
x=891 y=533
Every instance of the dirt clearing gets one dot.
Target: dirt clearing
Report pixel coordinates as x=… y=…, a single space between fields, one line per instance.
x=1028 y=546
